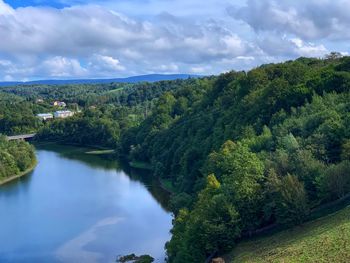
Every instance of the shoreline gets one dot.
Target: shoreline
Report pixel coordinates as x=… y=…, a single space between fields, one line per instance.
x=147 y=167
x=14 y=177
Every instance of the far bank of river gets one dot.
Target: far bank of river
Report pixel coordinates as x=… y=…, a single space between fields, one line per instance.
x=78 y=207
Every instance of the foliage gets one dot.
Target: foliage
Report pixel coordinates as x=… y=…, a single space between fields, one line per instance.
x=17 y=116
x=135 y=259
x=213 y=225
x=289 y=196
x=15 y=157
x=334 y=183
x=108 y=109
x=85 y=95
x=241 y=172
x=275 y=138
x=89 y=128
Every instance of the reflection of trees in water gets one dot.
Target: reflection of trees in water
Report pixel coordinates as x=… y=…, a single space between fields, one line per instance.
x=108 y=162
x=78 y=153
x=152 y=184
x=20 y=184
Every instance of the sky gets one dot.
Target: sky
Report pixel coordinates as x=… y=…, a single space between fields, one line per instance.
x=70 y=39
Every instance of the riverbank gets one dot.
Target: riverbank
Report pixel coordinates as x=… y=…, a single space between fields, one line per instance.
x=101 y=152
x=164 y=183
x=141 y=165
x=21 y=174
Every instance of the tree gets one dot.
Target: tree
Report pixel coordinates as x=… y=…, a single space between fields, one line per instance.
x=345 y=155
x=290 y=199
x=15 y=157
x=241 y=171
x=333 y=55
x=213 y=225
x=335 y=181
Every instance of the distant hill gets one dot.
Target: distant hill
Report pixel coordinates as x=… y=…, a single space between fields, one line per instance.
x=134 y=79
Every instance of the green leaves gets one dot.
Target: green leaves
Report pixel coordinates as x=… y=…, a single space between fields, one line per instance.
x=334 y=182
x=288 y=198
x=213 y=225
x=238 y=168
x=15 y=157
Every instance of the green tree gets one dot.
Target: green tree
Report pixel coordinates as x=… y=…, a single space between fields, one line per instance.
x=335 y=181
x=241 y=172
x=290 y=199
x=213 y=225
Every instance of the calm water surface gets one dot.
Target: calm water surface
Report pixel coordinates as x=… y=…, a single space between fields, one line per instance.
x=76 y=207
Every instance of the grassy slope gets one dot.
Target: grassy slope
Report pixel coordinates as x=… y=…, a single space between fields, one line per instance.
x=324 y=240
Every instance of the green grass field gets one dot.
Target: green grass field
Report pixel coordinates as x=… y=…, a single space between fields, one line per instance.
x=101 y=152
x=323 y=240
x=140 y=165
x=115 y=90
x=167 y=185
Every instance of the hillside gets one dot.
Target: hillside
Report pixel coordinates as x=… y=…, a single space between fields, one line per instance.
x=133 y=79
x=247 y=150
x=323 y=240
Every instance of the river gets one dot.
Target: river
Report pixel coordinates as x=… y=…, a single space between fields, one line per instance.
x=76 y=207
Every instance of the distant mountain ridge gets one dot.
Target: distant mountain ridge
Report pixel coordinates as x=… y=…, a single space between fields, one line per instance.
x=133 y=79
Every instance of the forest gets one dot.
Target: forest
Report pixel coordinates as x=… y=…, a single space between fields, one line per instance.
x=240 y=152
x=16 y=157
x=248 y=150
x=101 y=123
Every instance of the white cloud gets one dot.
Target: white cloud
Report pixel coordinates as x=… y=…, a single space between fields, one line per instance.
x=5 y=63
x=57 y=42
x=310 y=20
x=106 y=63
x=308 y=49
x=5 y=9
x=96 y=38
x=198 y=70
x=289 y=47
x=8 y=78
x=63 y=67
x=245 y=57
x=169 y=68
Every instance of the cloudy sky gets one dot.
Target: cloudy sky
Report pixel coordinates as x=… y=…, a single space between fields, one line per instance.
x=116 y=38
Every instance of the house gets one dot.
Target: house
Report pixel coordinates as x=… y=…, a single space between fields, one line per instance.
x=59 y=104
x=39 y=101
x=63 y=114
x=45 y=116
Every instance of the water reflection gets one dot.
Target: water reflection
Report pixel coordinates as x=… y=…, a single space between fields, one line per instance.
x=76 y=207
x=109 y=162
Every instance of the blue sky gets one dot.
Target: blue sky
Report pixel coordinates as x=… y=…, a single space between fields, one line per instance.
x=55 y=4
x=116 y=38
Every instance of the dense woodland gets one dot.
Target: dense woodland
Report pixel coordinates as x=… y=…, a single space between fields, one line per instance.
x=249 y=149
x=241 y=151
x=121 y=94
x=15 y=157
x=17 y=116
x=102 y=124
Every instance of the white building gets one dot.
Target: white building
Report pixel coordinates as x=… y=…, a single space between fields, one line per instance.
x=63 y=114
x=45 y=116
x=59 y=104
